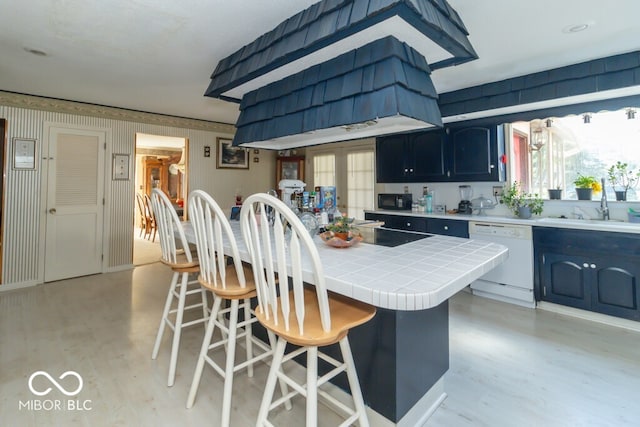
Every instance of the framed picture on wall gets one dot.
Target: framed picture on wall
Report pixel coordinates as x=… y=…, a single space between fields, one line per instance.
x=230 y=157
x=24 y=153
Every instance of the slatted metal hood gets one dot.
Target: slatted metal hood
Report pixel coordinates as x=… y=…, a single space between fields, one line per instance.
x=341 y=70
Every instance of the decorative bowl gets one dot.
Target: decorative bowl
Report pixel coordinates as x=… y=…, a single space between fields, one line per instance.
x=330 y=239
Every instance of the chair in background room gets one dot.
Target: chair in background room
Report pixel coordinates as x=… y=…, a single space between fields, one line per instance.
x=177 y=255
x=143 y=214
x=301 y=314
x=223 y=273
x=151 y=224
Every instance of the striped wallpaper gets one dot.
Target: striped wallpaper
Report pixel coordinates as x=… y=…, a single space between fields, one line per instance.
x=25 y=197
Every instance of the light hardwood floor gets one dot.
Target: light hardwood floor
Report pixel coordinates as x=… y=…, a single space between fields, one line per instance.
x=510 y=366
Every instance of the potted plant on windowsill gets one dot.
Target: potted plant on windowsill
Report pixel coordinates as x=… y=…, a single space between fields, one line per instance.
x=521 y=203
x=622 y=178
x=555 y=193
x=585 y=186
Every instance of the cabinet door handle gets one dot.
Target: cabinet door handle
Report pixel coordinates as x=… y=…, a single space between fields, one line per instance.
x=593 y=266
x=492 y=166
x=585 y=265
x=446 y=227
x=408 y=224
x=406 y=170
x=411 y=170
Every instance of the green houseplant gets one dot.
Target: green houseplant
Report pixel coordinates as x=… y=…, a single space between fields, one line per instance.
x=341 y=227
x=585 y=186
x=622 y=178
x=521 y=203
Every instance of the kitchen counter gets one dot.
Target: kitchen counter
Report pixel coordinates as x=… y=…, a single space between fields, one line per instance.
x=402 y=354
x=581 y=224
x=413 y=276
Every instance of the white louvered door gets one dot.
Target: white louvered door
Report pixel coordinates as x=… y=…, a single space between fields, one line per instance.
x=74 y=203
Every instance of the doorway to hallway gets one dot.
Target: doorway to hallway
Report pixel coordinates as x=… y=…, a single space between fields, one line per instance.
x=161 y=162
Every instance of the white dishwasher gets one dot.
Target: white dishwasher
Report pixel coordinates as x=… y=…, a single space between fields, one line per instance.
x=511 y=281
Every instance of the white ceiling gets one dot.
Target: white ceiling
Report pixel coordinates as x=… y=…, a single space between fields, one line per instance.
x=157 y=55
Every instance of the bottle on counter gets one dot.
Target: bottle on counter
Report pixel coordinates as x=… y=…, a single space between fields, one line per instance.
x=428 y=205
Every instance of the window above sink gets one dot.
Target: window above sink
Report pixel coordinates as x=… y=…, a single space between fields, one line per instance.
x=550 y=153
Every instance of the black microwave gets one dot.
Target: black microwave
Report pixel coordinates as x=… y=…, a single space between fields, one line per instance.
x=398 y=202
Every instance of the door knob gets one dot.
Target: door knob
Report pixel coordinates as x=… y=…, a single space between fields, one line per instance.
x=52 y=210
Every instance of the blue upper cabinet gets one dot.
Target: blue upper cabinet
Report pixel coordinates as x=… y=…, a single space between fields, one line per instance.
x=476 y=154
x=413 y=157
x=456 y=154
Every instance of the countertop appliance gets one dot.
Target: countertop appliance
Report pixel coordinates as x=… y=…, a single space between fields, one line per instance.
x=395 y=201
x=465 y=207
x=289 y=187
x=511 y=281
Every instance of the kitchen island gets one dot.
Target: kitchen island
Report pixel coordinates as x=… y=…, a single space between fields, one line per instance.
x=402 y=354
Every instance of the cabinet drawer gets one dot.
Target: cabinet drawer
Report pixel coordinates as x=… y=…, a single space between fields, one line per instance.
x=399 y=222
x=448 y=227
x=408 y=223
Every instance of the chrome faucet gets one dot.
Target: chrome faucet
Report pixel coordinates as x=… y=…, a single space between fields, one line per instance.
x=604 y=206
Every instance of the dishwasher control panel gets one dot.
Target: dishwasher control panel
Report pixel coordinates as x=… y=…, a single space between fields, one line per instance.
x=500 y=230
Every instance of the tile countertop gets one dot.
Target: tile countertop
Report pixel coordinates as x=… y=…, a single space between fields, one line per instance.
x=413 y=276
x=581 y=224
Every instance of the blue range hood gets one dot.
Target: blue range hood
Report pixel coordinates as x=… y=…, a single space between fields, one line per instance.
x=381 y=88
x=283 y=58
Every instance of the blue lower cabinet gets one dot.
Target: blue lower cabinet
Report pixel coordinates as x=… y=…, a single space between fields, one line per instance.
x=565 y=280
x=589 y=270
x=446 y=227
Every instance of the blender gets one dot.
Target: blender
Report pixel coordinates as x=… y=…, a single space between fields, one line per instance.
x=464 y=207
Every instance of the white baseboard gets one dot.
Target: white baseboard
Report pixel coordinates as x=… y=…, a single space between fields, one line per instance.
x=119 y=268
x=13 y=286
x=590 y=315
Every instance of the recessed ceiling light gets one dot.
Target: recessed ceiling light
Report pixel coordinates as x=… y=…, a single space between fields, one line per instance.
x=575 y=28
x=35 y=51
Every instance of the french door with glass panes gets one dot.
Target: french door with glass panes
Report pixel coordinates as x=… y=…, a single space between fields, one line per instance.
x=350 y=167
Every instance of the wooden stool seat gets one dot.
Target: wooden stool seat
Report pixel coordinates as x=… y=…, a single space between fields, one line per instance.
x=182 y=264
x=346 y=313
x=233 y=289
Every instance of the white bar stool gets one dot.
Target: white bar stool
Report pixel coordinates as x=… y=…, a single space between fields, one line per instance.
x=307 y=316
x=229 y=282
x=177 y=255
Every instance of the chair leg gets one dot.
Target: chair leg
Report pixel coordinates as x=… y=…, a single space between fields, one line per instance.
x=175 y=346
x=205 y=305
x=312 y=387
x=228 y=371
x=249 y=333
x=354 y=384
x=165 y=315
x=206 y=342
x=270 y=386
x=283 y=385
